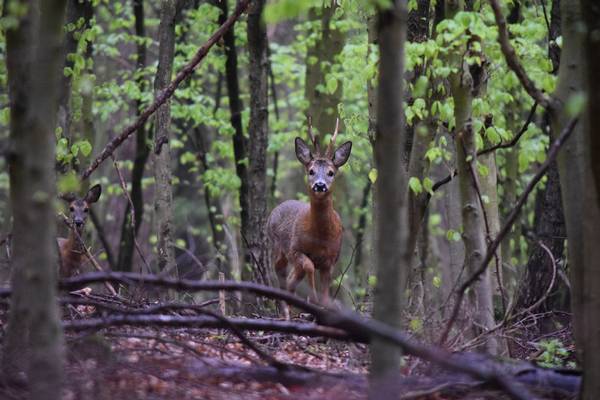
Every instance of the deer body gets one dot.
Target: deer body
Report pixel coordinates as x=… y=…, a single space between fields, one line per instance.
x=71 y=249
x=309 y=235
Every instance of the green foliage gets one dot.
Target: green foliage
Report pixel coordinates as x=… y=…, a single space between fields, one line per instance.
x=554 y=354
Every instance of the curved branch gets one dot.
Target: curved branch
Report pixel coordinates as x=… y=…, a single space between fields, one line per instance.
x=513 y=62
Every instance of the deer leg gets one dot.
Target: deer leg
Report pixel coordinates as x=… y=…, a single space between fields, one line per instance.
x=325 y=275
x=302 y=266
x=281 y=263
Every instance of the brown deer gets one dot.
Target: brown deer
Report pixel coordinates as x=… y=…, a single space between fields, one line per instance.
x=71 y=249
x=309 y=236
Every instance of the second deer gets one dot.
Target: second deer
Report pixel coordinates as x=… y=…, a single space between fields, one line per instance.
x=309 y=235
x=71 y=249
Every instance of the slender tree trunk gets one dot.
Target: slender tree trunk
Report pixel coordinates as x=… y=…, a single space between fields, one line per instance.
x=464 y=86
x=589 y=274
x=240 y=142
x=142 y=151
x=570 y=159
x=257 y=150
x=320 y=57
x=163 y=196
x=392 y=253
x=34 y=58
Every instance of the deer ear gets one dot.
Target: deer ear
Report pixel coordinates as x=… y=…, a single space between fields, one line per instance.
x=303 y=151
x=342 y=154
x=93 y=194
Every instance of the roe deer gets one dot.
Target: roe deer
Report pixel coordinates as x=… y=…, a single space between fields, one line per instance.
x=71 y=249
x=309 y=236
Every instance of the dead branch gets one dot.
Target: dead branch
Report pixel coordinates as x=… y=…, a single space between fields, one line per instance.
x=163 y=96
x=245 y=324
x=513 y=62
x=493 y=247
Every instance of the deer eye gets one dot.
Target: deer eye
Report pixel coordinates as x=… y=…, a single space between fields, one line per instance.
x=330 y=173
x=86 y=210
x=311 y=172
x=72 y=208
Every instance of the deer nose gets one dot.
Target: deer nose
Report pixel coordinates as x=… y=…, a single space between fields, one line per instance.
x=319 y=187
x=78 y=223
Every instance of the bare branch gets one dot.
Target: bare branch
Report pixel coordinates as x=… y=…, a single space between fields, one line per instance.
x=513 y=62
x=163 y=96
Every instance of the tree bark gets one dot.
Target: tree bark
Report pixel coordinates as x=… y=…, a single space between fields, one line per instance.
x=142 y=151
x=586 y=316
x=34 y=59
x=163 y=196
x=391 y=247
x=464 y=86
x=258 y=71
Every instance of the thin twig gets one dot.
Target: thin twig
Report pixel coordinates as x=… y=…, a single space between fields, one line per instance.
x=131 y=212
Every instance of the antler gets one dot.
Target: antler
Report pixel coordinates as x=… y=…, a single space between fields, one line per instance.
x=331 y=145
x=313 y=139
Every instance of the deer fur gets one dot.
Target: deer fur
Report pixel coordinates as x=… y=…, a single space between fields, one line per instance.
x=71 y=249
x=309 y=235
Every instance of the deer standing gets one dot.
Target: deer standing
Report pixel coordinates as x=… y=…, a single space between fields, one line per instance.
x=309 y=236
x=71 y=249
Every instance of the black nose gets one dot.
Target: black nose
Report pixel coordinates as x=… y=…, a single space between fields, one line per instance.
x=319 y=187
x=78 y=223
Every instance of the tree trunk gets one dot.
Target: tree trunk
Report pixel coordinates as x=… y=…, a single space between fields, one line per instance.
x=163 y=196
x=33 y=62
x=320 y=57
x=254 y=231
x=142 y=151
x=570 y=159
x=240 y=142
x=586 y=316
x=392 y=253
x=464 y=86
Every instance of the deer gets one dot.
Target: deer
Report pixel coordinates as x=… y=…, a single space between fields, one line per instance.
x=71 y=249
x=309 y=235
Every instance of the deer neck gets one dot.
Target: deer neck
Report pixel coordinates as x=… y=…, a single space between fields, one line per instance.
x=75 y=242
x=321 y=213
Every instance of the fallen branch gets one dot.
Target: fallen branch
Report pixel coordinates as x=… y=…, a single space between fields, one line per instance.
x=163 y=96
x=245 y=324
x=493 y=247
x=355 y=326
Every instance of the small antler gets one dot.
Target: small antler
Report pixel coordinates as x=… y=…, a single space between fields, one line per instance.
x=313 y=139
x=331 y=146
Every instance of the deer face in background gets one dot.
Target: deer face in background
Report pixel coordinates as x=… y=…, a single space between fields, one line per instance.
x=79 y=208
x=321 y=170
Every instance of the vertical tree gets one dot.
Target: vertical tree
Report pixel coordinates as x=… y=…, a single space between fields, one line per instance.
x=391 y=233
x=465 y=84
x=254 y=232
x=163 y=196
x=33 y=59
x=142 y=151
x=586 y=314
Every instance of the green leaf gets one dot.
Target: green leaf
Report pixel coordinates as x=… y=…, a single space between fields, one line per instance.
x=373 y=175
x=453 y=236
x=428 y=185
x=68 y=183
x=575 y=104
x=415 y=185
x=372 y=281
x=437 y=281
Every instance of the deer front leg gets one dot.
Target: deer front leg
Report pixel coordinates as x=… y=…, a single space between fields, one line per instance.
x=302 y=266
x=325 y=275
x=281 y=263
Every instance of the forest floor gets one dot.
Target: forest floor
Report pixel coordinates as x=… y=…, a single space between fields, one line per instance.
x=187 y=363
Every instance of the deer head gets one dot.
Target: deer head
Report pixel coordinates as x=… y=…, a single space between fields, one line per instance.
x=79 y=207
x=321 y=169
